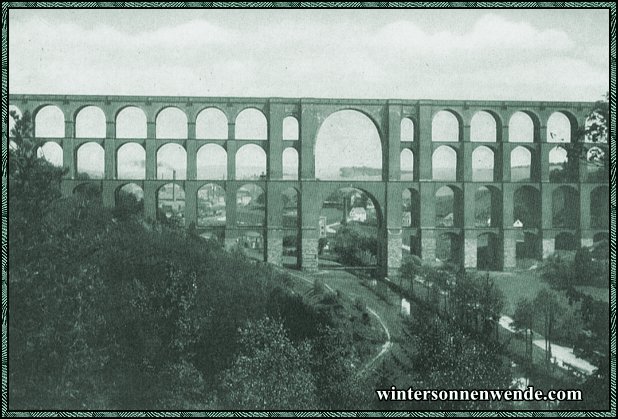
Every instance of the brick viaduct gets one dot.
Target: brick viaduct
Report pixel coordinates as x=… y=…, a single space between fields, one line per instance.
x=387 y=193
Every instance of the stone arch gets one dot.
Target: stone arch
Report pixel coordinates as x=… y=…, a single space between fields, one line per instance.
x=212 y=124
x=565 y=207
x=251 y=124
x=251 y=205
x=90 y=122
x=406 y=164
x=521 y=164
x=444 y=164
x=559 y=168
x=566 y=241
x=446 y=126
x=171 y=162
x=90 y=162
x=129 y=198
x=131 y=122
x=49 y=122
x=487 y=207
x=131 y=161
x=448 y=201
x=527 y=207
x=52 y=152
x=290 y=163
x=488 y=257
x=171 y=123
x=211 y=206
x=290 y=128
x=407 y=130
x=350 y=228
x=599 y=207
x=483 y=164
x=348 y=147
x=251 y=162
x=171 y=204
x=484 y=127
x=523 y=127
x=211 y=162
x=559 y=128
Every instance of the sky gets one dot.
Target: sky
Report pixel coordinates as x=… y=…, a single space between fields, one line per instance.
x=484 y=54
x=412 y=54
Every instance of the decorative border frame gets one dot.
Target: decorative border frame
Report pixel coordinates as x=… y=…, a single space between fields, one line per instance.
x=612 y=142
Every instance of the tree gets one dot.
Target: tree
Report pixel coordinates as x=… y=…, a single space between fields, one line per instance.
x=33 y=182
x=523 y=319
x=548 y=308
x=270 y=372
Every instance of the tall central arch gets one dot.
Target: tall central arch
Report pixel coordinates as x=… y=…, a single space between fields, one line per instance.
x=348 y=147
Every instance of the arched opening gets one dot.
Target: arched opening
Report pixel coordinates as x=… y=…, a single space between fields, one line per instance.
x=597 y=169
x=565 y=207
x=129 y=199
x=566 y=242
x=599 y=207
x=131 y=162
x=250 y=205
x=348 y=147
x=171 y=124
x=448 y=207
x=210 y=206
x=290 y=164
x=527 y=208
x=90 y=123
x=290 y=128
x=488 y=252
x=600 y=246
x=483 y=164
x=558 y=128
x=291 y=225
x=211 y=162
x=349 y=224
x=483 y=127
x=444 y=164
x=521 y=128
x=411 y=221
x=90 y=161
x=251 y=216
x=445 y=127
x=449 y=248
x=171 y=162
x=171 y=205
x=49 y=122
x=131 y=122
x=487 y=212
x=407 y=130
x=559 y=168
x=250 y=162
x=251 y=124
x=51 y=152
x=211 y=124
x=521 y=164
x=406 y=164
x=528 y=248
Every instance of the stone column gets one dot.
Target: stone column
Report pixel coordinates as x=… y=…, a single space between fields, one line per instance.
x=231 y=233
x=109 y=146
x=150 y=200
x=428 y=245
x=505 y=165
x=309 y=126
x=393 y=144
x=191 y=159
x=274 y=229
x=509 y=243
x=68 y=157
x=230 y=149
x=108 y=195
x=309 y=233
x=424 y=146
x=470 y=245
x=190 y=204
x=275 y=141
x=393 y=232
